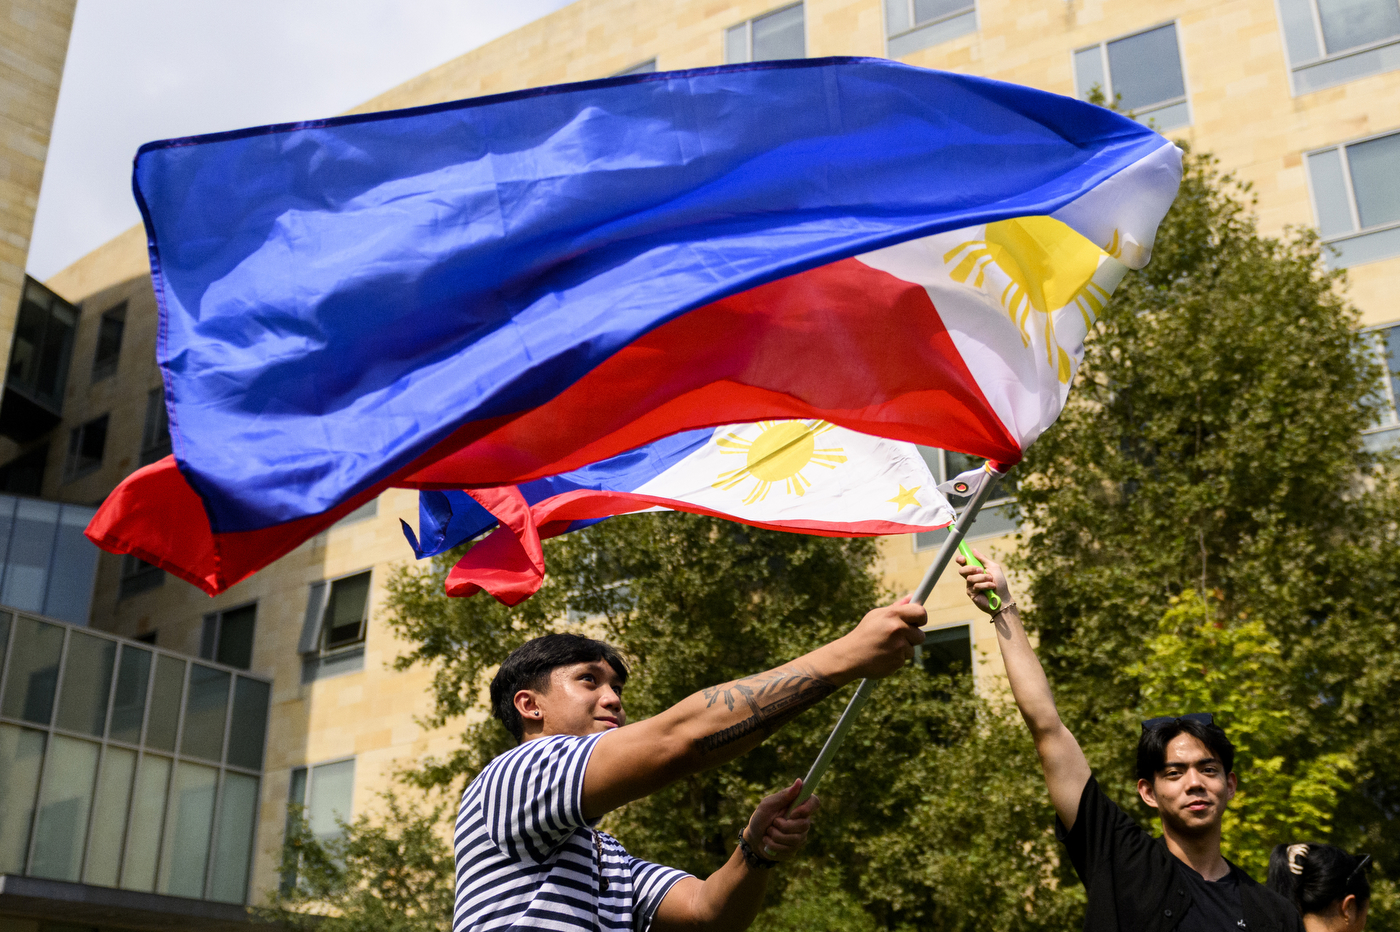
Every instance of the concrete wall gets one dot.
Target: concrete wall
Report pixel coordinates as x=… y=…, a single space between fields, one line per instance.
x=33 y=43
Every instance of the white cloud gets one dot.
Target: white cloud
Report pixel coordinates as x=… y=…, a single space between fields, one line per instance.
x=139 y=70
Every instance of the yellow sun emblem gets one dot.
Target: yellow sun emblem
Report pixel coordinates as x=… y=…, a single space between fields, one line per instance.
x=778 y=454
x=1050 y=266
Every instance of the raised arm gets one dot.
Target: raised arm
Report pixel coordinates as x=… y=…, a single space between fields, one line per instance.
x=718 y=724
x=1066 y=768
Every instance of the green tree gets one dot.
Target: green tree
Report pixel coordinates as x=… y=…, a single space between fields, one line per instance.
x=1213 y=445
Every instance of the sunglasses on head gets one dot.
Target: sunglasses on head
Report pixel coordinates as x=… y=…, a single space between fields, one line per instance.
x=1204 y=718
x=1361 y=865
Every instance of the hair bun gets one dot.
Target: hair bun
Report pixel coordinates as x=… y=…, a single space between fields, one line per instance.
x=1296 y=853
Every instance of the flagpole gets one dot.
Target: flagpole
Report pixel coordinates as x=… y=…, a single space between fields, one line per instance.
x=935 y=570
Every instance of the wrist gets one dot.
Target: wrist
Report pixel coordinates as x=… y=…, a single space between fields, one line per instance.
x=754 y=859
x=832 y=663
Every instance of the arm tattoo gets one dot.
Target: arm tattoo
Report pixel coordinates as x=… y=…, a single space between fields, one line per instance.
x=774 y=699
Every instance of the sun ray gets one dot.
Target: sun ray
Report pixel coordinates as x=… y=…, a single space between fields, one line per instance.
x=779 y=454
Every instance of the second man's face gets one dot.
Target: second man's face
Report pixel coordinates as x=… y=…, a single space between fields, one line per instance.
x=583 y=699
x=1192 y=790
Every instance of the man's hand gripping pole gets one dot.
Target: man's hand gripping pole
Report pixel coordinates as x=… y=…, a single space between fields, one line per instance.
x=979 y=484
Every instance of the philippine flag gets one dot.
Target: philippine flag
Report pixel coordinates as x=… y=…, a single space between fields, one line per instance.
x=807 y=476
x=494 y=291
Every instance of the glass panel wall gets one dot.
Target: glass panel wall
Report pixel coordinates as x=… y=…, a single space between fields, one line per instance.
x=47 y=566
x=126 y=766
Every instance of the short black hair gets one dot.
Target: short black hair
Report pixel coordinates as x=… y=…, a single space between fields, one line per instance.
x=1152 y=746
x=529 y=667
x=1325 y=875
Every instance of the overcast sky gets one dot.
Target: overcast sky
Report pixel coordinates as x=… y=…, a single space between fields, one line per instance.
x=139 y=70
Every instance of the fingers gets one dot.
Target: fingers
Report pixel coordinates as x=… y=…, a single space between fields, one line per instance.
x=782 y=835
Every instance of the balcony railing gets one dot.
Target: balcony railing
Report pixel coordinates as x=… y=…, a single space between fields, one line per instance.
x=125 y=766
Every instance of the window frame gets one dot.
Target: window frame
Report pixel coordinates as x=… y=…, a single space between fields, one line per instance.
x=137 y=576
x=211 y=632
x=154 y=448
x=970 y=625
x=104 y=367
x=1388 y=387
x=1140 y=116
x=1357 y=232
x=747 y=26
x=943 y=474
x=1325 y=58
x=919 y=36
x=71 y=469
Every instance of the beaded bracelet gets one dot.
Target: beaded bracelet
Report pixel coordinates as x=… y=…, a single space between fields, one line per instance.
x=752 y=858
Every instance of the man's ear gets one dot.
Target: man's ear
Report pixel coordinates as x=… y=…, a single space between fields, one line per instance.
x=1232 y=783
x=1148 y=792
x=527 y=703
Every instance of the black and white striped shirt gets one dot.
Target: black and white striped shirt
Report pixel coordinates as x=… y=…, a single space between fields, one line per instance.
x=527 y=858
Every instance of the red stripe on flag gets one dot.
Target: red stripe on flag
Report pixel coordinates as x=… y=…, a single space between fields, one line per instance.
x=844 y=342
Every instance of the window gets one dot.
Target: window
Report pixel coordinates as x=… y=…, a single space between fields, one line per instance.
x=324 y=795
x=227 y=637
x=138 y=576
x=911 y=25
x=1142 y=72
x=43 y=346
x=155 y=437
x=993 y=520
x=1356 y=199
x=646 y=67
x=946 y=651
x=1334 y=41
x=109 y=342
x=1386 y=431
x=779 y=34
x=333 y=634
x=85 y=447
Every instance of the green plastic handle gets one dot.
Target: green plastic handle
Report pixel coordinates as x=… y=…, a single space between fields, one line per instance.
x=993 y=600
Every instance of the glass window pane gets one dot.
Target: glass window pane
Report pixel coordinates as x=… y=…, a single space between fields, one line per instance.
x=247 y=730
x=235 y=646
x=1298 y=28
x=104 y=855
x=1329 y=188
x=1146 y=68
x=345 y=610
x=1088 y=73
x=33 y=676
x=74 y=568
x=332 y=787
x=1375 y=177
x=186 y=848
x=736 y=44
x=164 y=716
x=64 y=804
x=206 y=709
x=31 y=548
x=8 y=502
x=87 y=680
x=896 y=17
x=147 y=816
x=1349 y=23
x=133 y=673
x=233 y=846
x=928 y=10
x=948 y=651
x=779 y=35
x=21 y=754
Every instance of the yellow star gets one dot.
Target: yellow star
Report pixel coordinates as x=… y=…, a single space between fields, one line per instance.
x=905 y=497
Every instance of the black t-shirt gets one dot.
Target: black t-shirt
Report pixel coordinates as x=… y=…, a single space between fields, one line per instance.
x=1215 y=905
x=1134 y=884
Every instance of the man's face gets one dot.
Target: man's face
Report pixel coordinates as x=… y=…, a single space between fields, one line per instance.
x=1192 y=790
x=582 y=699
